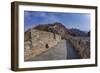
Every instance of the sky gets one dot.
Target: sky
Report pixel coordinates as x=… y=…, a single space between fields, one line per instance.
x=70 y=20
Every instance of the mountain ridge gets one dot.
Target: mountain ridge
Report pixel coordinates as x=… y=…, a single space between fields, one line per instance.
x=59 y=28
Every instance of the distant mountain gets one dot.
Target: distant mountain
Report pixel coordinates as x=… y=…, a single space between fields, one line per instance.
x=88 y=33
x=56 y=27
x=60 y=29
x=77 y=32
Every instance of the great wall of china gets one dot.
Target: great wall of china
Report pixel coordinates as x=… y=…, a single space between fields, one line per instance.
x=38 y=41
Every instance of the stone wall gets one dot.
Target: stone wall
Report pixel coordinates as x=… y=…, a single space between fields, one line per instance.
x=82 y=45
x=40 y=41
